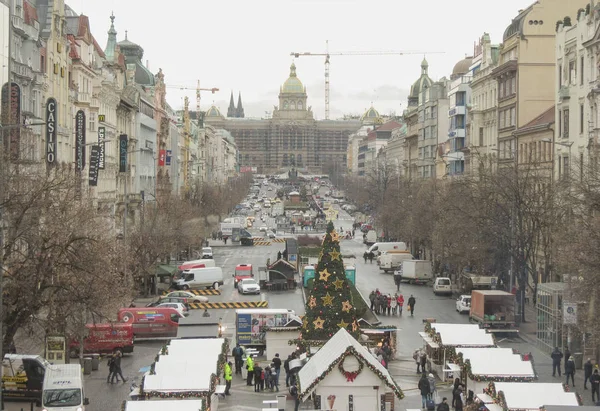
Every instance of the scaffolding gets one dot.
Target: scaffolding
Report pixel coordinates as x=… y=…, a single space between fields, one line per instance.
x=549 y=316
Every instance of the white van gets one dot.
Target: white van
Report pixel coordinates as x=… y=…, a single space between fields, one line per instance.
x=392 y=260
x=200 y=277
x=63 y=388
x=442 y=285
x=379 y=248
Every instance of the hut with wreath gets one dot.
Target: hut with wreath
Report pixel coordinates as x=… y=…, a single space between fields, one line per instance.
x=523 y=396
x=344 y=375
x=480 y=366
x=178 y=372
x=439 y=339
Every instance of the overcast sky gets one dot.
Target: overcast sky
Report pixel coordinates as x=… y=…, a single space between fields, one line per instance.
x=245 y=46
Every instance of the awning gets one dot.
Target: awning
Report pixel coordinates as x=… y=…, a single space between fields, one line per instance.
x=485 y=398
x=166 y=269
x=428 y=340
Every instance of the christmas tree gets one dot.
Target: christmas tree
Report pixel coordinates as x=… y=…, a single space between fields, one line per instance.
x=329 y=306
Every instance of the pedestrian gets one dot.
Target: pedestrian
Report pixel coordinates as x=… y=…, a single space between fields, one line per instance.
x=417 y=358
x=443 y=405
x=118 y=372
x=556 y=356
x=400 y=303
x=394 y=304
x=371 y=256
x=268 y=377
x=587 y=372
x=411 y=305
x=595 y=382
x=365 y=256
x=454 y=390
x=286 y=368
x=259 y=375
x=250 y=369
x=423 y=361
x=570 y=370
x=372 y=297
x=388 y=304
x=228 y=377
x=237 y=353
x=424 y=388
x=294 y=394
x=397 y=279
x=460 y=399
x=206 y=313
x=274 y=379
x=111 y=368
x=276 y=367
x=432 y=387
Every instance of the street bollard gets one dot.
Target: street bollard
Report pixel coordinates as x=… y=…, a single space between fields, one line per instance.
x=87 y=366
x=95 y=362
x=281 y=399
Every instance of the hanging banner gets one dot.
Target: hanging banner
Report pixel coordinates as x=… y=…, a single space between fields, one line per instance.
x=94 y=162
x=101 y=145
x=122 y=153
x=10 y=98
x=51 y=129
x=80 y=140
x=169 y=153
x=569 y=313
x=161 y=157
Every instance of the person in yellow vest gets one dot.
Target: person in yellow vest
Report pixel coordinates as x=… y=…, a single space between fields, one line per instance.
x=228 y=378
x=250 y=368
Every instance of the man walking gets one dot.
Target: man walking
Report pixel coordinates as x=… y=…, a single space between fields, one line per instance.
x=111 y=369
x=237 y=353
x=250 y=369
x=556 y=356
x=570 y=370
x=587 y=372
x=595 y=381
x=228 y=378
x=118 y=371
x=277 y=368
x=286 y=368
x=259 y=384
x=398 y=278
x=294 y=394
x=411 y=305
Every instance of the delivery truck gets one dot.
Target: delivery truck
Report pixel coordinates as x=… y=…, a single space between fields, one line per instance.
x=493 y=309
x=393 y=259
x=252 y=325
x=417 y=271
x=23 y=377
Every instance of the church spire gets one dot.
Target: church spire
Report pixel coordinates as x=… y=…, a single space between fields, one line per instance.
x=240 y=109
x=231 y=111
x=111 y=43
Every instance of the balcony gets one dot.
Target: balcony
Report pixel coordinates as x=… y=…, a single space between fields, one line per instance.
x=83 y=97
x=457 y=111
x=564 y=93
x=32 y=32
x=22 y=70
x=457 y=133
x=17 y=22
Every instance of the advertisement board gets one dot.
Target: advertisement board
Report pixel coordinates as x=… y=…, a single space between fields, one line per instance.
x=80 y=127
x=251 y=328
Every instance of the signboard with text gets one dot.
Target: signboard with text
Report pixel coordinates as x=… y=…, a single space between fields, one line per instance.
x=80 y=140
x=122 y=153
x=161 y=157
x=11 y=116
x=101 y=146
x=94 y=162
x=168 y=159
x=51 y=130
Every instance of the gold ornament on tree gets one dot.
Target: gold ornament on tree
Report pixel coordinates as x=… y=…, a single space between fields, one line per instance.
x=346 y=306
x=335 y=237
x=318 y=323
x=327 y=300
x=312 y=303
x=343 y=324
x=335 y=255
x=324 y=275
x=339 y=284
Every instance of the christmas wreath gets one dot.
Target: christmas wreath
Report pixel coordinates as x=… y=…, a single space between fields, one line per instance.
x=350 y=375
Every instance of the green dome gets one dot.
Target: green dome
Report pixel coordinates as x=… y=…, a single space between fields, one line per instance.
x=293 y=85
x=370 y=114
x=213 y=111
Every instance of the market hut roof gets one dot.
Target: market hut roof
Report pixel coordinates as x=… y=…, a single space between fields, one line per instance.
x=529 y=396
x=331 y=354
x=188 y=405
x=463 y=335
x=497 y=362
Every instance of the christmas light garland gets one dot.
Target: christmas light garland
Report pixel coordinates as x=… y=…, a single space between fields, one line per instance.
x=350 y=375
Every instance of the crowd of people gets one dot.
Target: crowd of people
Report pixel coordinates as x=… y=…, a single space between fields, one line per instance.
x=388 y=304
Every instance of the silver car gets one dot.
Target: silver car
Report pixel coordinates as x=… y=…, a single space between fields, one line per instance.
x=248 y=286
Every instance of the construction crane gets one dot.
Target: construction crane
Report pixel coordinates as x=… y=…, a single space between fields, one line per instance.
x=327 y=55
x=197 y=89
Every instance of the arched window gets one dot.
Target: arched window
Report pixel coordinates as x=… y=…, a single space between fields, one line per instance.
x=300 y=105
x=293 y=105
x=285 y=104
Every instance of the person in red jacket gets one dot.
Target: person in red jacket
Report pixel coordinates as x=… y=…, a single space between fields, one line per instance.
x=400 y=303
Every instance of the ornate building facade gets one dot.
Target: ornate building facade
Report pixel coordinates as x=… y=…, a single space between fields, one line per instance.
x=292 y=137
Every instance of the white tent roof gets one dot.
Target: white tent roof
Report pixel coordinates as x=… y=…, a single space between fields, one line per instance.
x=191 y=346
x=531 y=396
x=164 y=405
x=463 y=335
x=330 y=353
x=177 y=382
x=497 y=362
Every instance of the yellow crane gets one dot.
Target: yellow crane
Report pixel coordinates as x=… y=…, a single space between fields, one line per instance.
x=197 y=89
x=327 y=55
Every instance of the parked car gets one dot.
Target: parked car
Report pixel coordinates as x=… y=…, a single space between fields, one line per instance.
x=248 y=286
x=463 y=304
x=263 y=228
x=272 y=235
x=183 y=310
x=442 y=285
x=207 y=252
x=164 y=300
x=186 y=297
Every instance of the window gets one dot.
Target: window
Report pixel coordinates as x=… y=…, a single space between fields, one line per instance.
x=581 y=118
x=460 y=98
x=572 y=73
x=559 y=123
x=481 y=136
x=513 y=88
x=434 y=112
x=566 y=123
x=433 y=131
x=513 y=116
x=560 y=75
x=92 y=122
x=581 y=64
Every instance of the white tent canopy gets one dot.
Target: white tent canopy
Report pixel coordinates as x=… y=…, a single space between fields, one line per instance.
x=531 y=396
x=497 y=362
x=463 y=335
x=164 y=405
x=177 y=382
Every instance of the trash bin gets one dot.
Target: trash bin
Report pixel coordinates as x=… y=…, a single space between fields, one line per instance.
x=87 y=365
x=95 y=362
x=281 y=399
x=578 y=358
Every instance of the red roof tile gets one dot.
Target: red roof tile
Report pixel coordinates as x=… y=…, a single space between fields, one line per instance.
x=73 y=53
x=389 y=126
x=546 y=117
x=30 y=13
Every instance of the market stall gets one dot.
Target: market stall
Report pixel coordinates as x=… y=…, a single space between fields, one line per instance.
x=166 y=405
x=375 y=337
x=513 y=396
x=440 y=338
x=480 y=366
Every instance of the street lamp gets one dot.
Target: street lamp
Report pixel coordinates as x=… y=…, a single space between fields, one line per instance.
x=569 y=144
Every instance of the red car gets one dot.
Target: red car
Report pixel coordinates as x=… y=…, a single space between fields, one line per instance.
x=242 y=271
x=104 y=338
